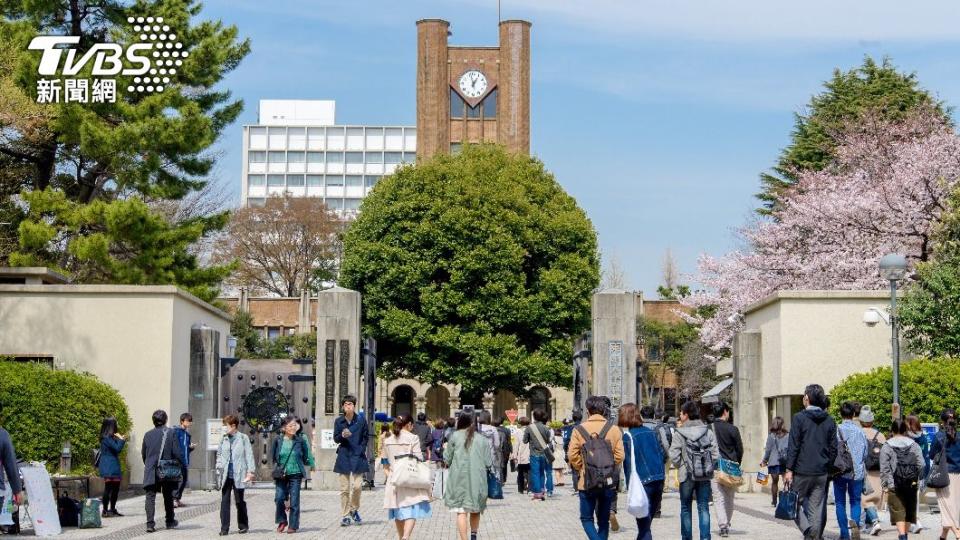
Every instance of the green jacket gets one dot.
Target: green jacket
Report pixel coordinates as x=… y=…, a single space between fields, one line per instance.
x=467 y=485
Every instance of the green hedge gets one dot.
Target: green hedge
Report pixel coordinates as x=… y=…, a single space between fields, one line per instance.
x=42 y=407
x=926 y=388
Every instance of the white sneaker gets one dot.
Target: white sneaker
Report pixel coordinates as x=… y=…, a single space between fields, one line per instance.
x=875 y=530
x=915 y=528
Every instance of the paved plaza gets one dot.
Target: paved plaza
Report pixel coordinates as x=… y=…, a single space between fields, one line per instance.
x=514 y=517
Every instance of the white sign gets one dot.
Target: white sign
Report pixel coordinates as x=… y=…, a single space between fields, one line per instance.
x=215 y=432
x=40 y=501
x=326 y=439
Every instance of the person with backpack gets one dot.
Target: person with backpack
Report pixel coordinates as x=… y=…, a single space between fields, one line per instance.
x=947 y=446
x=538 y=436
x=775 y=456
x=436 y=448
x=849 y=486
x=235 y=468
x=730 y=445
x=521 y=456
x=644 y=450
x=108 y=464
x=596 y=452
x=160 y=447
x=506 y=446
x=873 y=492
x=901 y=464
x=567 y=432
x=811 y=455
x=920 y=437
x=694 y=453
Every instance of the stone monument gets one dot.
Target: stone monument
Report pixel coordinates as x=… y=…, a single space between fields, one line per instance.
x=203 y=401
x=614 y=321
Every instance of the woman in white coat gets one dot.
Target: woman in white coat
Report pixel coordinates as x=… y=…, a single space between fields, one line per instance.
x=235 y=466
x=404 y=505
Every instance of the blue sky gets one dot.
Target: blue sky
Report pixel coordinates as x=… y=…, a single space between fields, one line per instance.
x=657 y=116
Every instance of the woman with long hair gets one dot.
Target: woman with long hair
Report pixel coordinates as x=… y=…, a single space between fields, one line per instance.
x=291 y=459
x=404 y=505
x=111 y=444
x=948 y=498
x=901 y=453
x=775 y=455
x=643 y=451
x=469 y=458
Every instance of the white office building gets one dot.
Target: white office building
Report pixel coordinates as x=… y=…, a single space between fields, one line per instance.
x=297 y=149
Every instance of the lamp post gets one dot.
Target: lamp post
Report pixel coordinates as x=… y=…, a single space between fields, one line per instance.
x=893 y=268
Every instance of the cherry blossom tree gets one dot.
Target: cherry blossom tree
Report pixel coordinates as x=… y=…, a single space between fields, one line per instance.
x=884 y=193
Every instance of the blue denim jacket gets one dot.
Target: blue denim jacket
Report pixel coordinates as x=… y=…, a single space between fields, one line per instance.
x=641 y=446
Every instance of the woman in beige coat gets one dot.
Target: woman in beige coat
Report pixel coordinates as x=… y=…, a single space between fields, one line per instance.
x=404 y=505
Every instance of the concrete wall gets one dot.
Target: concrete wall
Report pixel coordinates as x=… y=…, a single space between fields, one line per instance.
x=136 y=339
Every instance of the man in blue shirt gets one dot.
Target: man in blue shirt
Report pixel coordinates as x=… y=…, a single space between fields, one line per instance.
x=850 y=486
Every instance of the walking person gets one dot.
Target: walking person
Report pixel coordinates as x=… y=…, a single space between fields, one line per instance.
x=159 y=444
x=8 y=464
x=492 y=434
x=849 y=487
x=350 y=433
x=596 y=446
x=694 y=446
x=644 y=450
x=184 y=440
x=436 y=450
x=404 y=505
x=235 y=466
x=948 y=498
x=468 y=457
x=810 y=457
x=901 y=464
x=292 y=460
x=538 y=436
x=920 y=437
x=521 y=455
x=567 y=431
x=111 y=444
x=506 y=446
x=730 y=446
x=873 y=491
x=423 y=430
x=559 y=465
x=775 y=456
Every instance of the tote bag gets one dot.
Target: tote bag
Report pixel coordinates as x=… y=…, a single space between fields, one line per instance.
x=729 y=473
x=939 y=475
x=411 y=473
x=440 y=483
x=638 y=504
x=787 y=505
x=494 y=487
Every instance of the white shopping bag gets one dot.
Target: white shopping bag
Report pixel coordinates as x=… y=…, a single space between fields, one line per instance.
x=6 y=505
x=638 y=504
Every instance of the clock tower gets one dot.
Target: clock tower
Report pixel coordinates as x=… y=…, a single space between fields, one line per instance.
x=472 y=94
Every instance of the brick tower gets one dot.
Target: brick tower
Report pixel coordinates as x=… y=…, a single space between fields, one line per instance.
x=472 y=94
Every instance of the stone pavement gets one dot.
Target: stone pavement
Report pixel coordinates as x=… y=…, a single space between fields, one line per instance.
x=515 y=517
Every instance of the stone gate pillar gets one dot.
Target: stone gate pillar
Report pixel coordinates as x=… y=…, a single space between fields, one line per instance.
x=614 y=315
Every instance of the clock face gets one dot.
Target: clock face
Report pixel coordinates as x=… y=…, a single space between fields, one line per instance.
x=473 y=84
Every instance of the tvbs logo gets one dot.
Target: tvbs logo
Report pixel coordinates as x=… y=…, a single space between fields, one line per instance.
x=152 y=61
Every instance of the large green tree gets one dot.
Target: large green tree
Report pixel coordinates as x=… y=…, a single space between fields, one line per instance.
x=475 y=269
x=81 y=181
x=871 y=88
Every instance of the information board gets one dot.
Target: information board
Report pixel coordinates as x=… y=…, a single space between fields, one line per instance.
x=215 y=432
x=40 y=500
x=326 y=439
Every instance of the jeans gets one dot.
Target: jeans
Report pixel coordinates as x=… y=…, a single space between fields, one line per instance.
x=228 y=488
x=288 y=487
x=812 y=493
x=178 y=493
x=655 y=495
x=540 y=472
x=844 y=489
x=166 y=488
x=596 y=503
x=700 y=489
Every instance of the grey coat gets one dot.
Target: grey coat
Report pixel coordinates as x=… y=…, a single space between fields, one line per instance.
x=888 y=458
x=150 y=452
x=242 y=452
x=692 y=430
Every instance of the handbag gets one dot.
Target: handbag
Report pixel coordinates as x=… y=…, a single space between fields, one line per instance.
x=410 y=473
x=90 y=514
x=763 y=478
x=787 y=505
x=168 y=470
x=638 y=504
x=728 y=473
x=280 y=471
x=939 y=475
x=494 y=487
x=547 y=450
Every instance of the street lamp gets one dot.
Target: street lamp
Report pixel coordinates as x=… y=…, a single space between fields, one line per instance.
x=231 y=345
x=893 y=268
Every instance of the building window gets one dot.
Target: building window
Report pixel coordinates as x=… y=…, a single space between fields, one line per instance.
x=314 y=180
x=295 y=180
x=275 y=180
x=371 y=181
x=334 y=204
x=457 y=104
x=334 y=157
x=374 y=157
x=473 y=112
x=392 y=158
x=334 y=181
x=352 y=204
x=354 y=158
x=455 y=148
x=409 y=157
x=257 y=180
x=256 y=203
x=273 y=333
x=489 y=104
x=295 y=157
x=258 y=157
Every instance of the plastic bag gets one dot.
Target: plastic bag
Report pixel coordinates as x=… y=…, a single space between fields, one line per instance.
x=638 y=504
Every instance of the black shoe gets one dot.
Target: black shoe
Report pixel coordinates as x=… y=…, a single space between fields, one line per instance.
x=115 y=513
x=223 y=533
x=173 y=524
x=657 y=515
x=244 y=530
x=151 y=528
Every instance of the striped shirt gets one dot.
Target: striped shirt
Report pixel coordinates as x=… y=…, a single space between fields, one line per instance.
x=857 y=443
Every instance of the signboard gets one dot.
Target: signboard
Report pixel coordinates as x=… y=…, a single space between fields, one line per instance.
x=43 y=506
x=329 y=383
x=326 y=439
x=344 y=367
x=511 y=415
x=215 y=432
x=615 y=372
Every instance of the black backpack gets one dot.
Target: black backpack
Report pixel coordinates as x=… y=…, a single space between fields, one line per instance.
x=872 y=458
x=907 y=473
x=843 y=464
x=699 y=458
x=599 y=467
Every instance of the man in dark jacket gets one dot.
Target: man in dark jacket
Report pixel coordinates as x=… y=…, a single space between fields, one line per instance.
x=350 y=432
x=730 y=446
x=159 y=443
x=810 y=455
x=422 y=430
x=506 y=446
x=184 y=440
x=8 y=462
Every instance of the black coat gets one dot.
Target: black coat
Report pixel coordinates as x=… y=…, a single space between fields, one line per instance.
x=150 y=452
x=728 y=441
x=813 y=443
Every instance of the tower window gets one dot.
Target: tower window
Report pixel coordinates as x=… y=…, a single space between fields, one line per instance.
x=457 y=104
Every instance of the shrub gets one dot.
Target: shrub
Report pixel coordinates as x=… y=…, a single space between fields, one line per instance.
x=926 y=387
x=43 y=407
